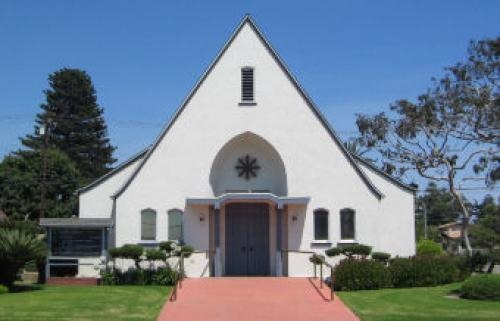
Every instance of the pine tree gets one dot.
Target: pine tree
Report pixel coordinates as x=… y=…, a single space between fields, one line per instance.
x=20 y=179
x=74 y=122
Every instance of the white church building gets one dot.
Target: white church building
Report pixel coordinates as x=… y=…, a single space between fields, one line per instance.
x=248 y=172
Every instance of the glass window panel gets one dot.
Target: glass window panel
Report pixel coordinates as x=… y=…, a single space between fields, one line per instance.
x=321 y=225
x=175 y=225
x=76 y=242
x=148 y=225
x=347 y=231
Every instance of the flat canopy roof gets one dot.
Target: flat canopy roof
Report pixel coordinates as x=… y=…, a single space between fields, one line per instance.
x=280 y=201
x=76 y=222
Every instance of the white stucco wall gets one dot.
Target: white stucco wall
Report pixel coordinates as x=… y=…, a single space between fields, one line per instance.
x=397 y=216
x=181 y=164
x=96 y=202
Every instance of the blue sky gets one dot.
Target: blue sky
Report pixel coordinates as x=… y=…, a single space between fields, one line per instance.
x=144 y=56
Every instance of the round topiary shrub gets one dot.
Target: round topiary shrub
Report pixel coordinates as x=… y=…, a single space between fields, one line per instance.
x=3 y=289
x=334 y=251
x=363 y=274
x=115 y=252
x=155 y=255
x=481 y=287
x=316 y=259
x=167 y=246
x=186 y=251
x=350 y=250
x=429 y=247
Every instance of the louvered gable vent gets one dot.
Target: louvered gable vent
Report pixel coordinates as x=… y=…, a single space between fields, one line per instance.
x=247 y=93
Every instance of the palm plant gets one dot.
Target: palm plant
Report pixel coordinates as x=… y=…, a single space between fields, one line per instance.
x=17 y=247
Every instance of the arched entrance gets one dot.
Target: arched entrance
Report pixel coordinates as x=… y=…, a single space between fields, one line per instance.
x=248 y=164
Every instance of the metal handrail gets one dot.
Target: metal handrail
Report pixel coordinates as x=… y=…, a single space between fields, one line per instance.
x=178 y=278
x=323 y=262
x=181 y=273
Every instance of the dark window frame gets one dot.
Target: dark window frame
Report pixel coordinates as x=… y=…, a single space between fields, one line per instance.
x=347 y=234
x=76 y=242
x=321 y=233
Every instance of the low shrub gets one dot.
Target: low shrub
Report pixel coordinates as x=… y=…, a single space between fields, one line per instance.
x=164 y=276
x=160 y=276
x=3 y=289
x=363 y=274
x=477 y=261
x=381 y=257
x=350 y=250
x=424 y=271
x=481 y=287
x=463 y=265
x=109 y=278
x=429 y=248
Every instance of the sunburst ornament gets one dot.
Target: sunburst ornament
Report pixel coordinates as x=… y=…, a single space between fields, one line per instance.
x=247 y=167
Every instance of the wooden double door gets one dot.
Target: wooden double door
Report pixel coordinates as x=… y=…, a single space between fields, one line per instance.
x=247 y=239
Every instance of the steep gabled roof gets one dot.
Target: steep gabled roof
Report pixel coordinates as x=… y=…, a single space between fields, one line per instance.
x=248 y=20
x=113 y=171
x=380 y=172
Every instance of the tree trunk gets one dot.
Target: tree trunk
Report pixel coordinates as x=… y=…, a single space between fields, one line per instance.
x=465 y=218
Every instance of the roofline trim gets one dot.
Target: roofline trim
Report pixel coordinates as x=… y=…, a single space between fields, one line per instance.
x=114 y=171
x=390 y=178
x=248 y=19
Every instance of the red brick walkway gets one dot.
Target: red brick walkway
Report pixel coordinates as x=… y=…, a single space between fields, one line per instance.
x=254 y=299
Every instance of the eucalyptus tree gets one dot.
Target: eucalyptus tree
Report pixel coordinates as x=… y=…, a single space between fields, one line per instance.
x=450 y=131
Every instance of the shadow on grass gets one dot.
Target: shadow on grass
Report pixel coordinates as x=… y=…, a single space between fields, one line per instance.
x=17 y=288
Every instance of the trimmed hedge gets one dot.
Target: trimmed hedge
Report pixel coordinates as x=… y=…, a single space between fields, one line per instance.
x=3 y=289
x=424 y=271
x=481 y=287
x=155 y=255
x=363 y=274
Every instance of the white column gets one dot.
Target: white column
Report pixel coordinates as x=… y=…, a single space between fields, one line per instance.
x=218 y=257
x=279 y=237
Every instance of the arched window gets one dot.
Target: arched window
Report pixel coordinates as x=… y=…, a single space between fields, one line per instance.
x=320 y=224
x=148 y=224
x=175 y=225
x=347 y=224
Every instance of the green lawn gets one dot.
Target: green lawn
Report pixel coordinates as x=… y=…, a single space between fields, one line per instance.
x=418 y=304
x=84 y=303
